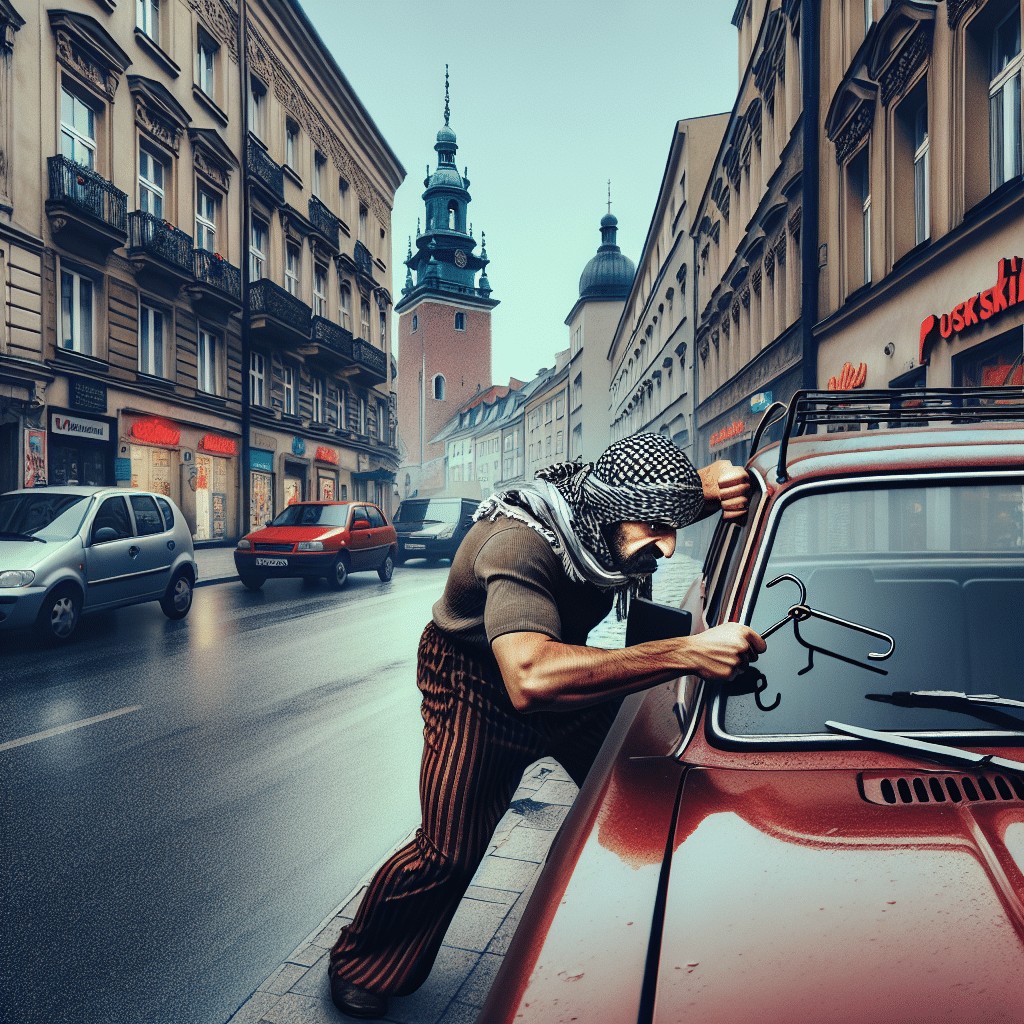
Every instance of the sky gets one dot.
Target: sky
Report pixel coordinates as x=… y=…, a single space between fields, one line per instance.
x=549 y=100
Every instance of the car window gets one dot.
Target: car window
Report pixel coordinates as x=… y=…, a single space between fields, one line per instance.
x=113 y=513
x=938 y=568
x=312 y=515
x=376 y=519
x=43 y=513
x=147 y=515
x=434 y=510
x=359 y=512
x=165 y=507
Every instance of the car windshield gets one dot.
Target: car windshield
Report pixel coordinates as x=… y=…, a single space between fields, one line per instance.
x=312 y=515
x=435 y=510
x=939 y=569
x=44 y=514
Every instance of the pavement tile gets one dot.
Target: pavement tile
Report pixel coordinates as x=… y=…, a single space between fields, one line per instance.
x=295 y=1009
x=478 y=892
x=475 y=988
x=474 y=925
x=502 y=873
x=254 y=1009
x=530 y=844
x=307 y=955
x=460 y=1013
x=282 y=979
x=556 y=792
x=328 y=935
x=503 y=936
x=534 y=814
x=313 y=980
x=428 y=1004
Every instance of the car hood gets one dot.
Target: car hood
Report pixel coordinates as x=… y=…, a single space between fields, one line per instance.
x=292 y=534
x=27 y=554
x=413 y=530
x=794 y=896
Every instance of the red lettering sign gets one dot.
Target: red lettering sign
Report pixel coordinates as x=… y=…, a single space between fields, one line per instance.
x=1007 y=292
x=327 y=455
x=156 y=430
x=734 y=429
x=849 y=378
x=218 y=444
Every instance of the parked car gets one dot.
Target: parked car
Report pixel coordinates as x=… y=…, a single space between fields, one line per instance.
x=432 y=528
x=837 y=834
x=69 y=550
x=312 y=539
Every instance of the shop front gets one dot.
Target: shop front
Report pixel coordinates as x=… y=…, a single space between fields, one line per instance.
x=79 y=448
x=261 y=494
x=213 y=461
x=327 y=488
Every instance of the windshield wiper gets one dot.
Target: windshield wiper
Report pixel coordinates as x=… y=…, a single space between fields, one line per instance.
x=929 y=750
x=914 y=697
x=22 y=536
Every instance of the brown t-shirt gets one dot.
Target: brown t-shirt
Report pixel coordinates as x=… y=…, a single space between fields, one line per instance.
x=505 y=578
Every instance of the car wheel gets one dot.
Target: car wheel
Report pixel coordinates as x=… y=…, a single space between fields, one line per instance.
x=59 y=614
x=339 y=573
x=178 y=599
x=386 y=569
x=251 y=582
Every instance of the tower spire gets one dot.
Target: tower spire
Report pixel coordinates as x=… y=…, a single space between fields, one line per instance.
x=446 y=110
x=609 y=195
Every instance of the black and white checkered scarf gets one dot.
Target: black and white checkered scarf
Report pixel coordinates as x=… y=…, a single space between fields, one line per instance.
x=640 y=478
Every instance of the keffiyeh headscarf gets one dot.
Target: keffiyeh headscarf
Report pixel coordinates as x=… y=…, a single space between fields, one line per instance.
x=640 y=478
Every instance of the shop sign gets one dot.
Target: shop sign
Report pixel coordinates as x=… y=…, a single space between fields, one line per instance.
x=1007 y=292
x=327 y=455
x=734 y=429
x=79 y=427
x=155 y=430
x=86 y=396
x=122 y=469
x=760 y=401
x=298 y=446
x=218 y=445
x=261 y=461
x=849 y=378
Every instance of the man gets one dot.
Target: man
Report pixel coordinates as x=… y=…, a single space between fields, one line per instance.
x=506 y=677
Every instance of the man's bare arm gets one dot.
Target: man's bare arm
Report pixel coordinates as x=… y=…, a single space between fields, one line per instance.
x=541 y=673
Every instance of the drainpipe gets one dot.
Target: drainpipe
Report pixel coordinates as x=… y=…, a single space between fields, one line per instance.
x=243 y=66
x=810 y=34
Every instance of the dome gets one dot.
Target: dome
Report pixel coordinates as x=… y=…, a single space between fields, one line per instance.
x=446 y=135
x=609 y=220
x=609 y=275
x=445 y=175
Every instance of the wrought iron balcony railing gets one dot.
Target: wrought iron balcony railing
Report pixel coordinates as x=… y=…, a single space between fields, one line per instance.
x=372 y=358
x=323 y=220
x=269 y=299
x=331 y=335
x=87 y=191
x=155 y=237
x=363 y=260
x=267 y=173
x=214 y=270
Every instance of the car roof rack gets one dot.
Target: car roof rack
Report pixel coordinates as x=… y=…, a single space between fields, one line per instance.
x=894 y=407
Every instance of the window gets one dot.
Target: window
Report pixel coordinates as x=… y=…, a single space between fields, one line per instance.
x=206 y=57
x=291 y=145
x=318 y=400
x=342 y=402
x=153 y=324
x=382 y=421
x=460 y=321
x=76 y=307
x=364 y=312
x=257 y=378
x=77 y=130
x=1004 y=100
x=383 y=330
x=559 y=407
x=319 y=290
x=439 y=387
x=257 y=250
x=921 y=168
x=206 y=362
x=152 y=176
x=147 y=18
x=319 y=170
x=291 y=407
x=547 y=414
x=362 y=415
x=559 y=443
x=415 y=323
x=362 y=225
x=257 y=108
x=858 y=220
x=346 y=306
x=291 y=270
x=206 y=220
x=147 y=515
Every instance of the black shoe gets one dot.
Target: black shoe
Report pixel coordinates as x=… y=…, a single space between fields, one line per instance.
x=355 y=1001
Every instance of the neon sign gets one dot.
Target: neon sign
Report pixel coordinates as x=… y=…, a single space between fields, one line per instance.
x=849 y=378
x=221 y=445
x=719 y=436
x=156 y=430
x=327 y=455
x=1007 y=292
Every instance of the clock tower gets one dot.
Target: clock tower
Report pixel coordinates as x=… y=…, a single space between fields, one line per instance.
x=444 y=326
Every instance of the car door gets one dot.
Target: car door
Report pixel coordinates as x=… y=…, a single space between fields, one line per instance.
x=380 y=537
x=360 y=539
x=110 y=555
x=153 y=562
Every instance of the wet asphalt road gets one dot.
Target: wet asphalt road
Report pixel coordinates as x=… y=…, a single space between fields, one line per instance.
x=259 y=758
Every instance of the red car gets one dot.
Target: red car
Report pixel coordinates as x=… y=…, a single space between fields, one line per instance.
x=312 y=539
x=838 y=834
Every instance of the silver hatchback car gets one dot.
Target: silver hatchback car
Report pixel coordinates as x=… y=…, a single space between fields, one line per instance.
x=68 y=550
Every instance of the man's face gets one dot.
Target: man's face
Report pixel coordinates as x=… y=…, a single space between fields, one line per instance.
x=638 y=546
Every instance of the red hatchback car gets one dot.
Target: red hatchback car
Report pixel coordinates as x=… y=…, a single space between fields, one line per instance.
x=838 y=834
x=312 y=539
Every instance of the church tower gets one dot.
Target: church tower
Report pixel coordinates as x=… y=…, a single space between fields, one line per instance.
x=444 y=326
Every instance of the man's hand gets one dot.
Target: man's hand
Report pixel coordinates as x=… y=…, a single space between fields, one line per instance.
x=727 y=486
x=723 y=652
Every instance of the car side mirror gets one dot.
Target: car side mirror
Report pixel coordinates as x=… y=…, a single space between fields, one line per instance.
x=269 y=522
x=360 y=524
x=103 y=534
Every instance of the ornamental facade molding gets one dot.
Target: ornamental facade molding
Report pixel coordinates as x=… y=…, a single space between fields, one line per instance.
x=794 y=221
x=914 y=54
x=157 y=126
x=73 y=57
x=854 y=132
x=956 y=9
x=220 y=19
x=264 y=62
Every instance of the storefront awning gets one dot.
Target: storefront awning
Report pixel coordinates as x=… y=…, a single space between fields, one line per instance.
x=381 y=475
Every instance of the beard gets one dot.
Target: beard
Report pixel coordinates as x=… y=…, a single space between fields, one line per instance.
x=640 y=563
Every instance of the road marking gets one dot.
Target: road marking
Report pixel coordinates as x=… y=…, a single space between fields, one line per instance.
x=57 y=730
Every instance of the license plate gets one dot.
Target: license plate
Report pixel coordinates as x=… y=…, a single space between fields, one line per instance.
x=276 y=562
x=415 y=547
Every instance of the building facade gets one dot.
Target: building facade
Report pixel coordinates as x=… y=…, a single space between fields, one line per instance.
x=651 y=353
x=132 y=353
x=546 y=417
x=444 y=353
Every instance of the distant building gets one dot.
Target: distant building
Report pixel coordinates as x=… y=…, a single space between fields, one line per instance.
x=444 y=354
x=651 y=353
x=604 y=287
x=546 y=417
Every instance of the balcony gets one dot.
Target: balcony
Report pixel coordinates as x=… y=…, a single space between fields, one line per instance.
x=85 y=210
x=265 y=176
x=217 y=290
x=329 y=344
x=324 y=222
x=370 y=363
x=158 y=249
x=278 y=317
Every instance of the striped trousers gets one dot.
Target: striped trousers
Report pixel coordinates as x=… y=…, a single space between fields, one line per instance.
x=475 y=750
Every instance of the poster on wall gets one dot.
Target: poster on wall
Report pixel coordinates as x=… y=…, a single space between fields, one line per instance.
x=220 y=518
x=35 y=458
x=261 y=506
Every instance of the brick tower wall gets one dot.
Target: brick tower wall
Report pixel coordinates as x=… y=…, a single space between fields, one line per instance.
x=462 y=357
